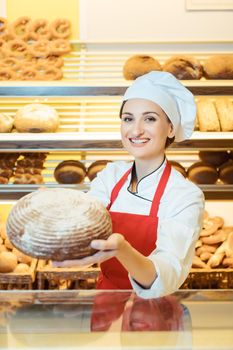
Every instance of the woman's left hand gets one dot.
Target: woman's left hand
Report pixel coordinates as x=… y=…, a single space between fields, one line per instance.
x=106 y=249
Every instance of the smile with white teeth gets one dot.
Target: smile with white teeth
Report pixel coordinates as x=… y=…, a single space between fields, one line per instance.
x=139 y=141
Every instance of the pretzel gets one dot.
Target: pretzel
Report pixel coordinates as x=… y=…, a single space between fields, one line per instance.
x=12 y=63
x=60 y=28
x=16 y=48
x=7 y=74
x=55 y=61
x=27 y=162
x=4 y=180
x=51 y=73
x=60 y=47
x=40 y=48
x=28 y=73
x=19 y=29
x=39 y=29
x=3 y=24
x=6 y=172
x=30 y=170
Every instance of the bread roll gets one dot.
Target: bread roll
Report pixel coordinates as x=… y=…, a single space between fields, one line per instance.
x=36 y=118
x=95 y=168
x=226 y=172
x=8 y=262
x=70 y=172
x=183 y=67
x=202 y=173
x=207 y=116
x=6 y=123
x=57 y=224
x=224 y=108
x=219 y=67
x=215 y=158
x=138 y=65
x=178 y=167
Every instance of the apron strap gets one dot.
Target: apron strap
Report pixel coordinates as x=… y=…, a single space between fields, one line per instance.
x=160 y=190
x=117 y=188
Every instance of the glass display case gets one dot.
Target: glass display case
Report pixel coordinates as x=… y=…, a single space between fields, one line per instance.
x=116 y=320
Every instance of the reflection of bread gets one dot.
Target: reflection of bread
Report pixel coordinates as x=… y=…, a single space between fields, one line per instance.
x=57 y=224
x=215 y=158
x=226 y=172
x=219 y=67
x=207 y=116
x=202 y=173
x=70 y=172
x=224 y=108
x=138 y=65
x=36 y=118
x=178 y=167
x=96 y=167
x=183 y=67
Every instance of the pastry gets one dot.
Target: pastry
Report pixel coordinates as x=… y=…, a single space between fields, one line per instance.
x=207 y=116
x=219 y=67
x=215 y=158
x=226 y=172
x=96 y=167
x=202 y=173
x=178 y=167
x=183 y=67
x=20 y=179
x=70 y=172
x=36 y=118
x=138 y=65
x=57 y=224
x=224 y=108
x=6 y=123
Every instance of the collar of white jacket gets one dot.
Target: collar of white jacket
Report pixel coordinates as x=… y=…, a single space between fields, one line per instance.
x=173 y=97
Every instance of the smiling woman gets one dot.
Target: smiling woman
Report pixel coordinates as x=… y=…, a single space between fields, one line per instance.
x=156 y=213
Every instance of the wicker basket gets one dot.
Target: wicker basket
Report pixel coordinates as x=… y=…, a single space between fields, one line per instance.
x=14 y=280
x=66 y=278
x=221 y=278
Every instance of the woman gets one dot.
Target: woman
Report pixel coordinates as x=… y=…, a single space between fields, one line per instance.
x=156 y=212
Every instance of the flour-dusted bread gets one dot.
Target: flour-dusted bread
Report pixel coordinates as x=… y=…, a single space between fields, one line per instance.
x=207 y=115
x=183 y=67
x=36 y=117
x=138 y=65
x=219 y=67
x=57 y=224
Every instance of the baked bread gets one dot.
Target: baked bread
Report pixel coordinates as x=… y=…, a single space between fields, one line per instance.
x=215 y=158
x=226 y=172
x=183 y=67
x=219 y=67
x=96 y=167
x=178 y=167
x=6 y=123
x=70 y=172
x=138 y=65
x=202 y=173
x=36 y=118
x=57 y=224
x=207 y=116
x=224 y=108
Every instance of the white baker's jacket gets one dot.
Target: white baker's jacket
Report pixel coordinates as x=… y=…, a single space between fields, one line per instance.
x=180 y=220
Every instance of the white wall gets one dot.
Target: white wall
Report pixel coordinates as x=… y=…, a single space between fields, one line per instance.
x=151 y=20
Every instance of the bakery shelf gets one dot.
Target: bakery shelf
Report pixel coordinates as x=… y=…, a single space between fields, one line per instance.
x=102 y=140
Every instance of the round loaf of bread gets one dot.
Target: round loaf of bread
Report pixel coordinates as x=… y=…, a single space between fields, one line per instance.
x=138 y=65
x=202 y=173
x=215 y=158
x=36 y=117
x=57 y=224
x=226 y=172
x=183 y=67
x=70 y=172
x=96 y=167
x=219 y=67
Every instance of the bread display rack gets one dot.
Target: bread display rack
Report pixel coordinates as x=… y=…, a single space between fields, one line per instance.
x=88 y=101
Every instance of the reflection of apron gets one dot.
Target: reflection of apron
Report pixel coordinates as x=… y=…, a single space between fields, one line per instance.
x=139 y=230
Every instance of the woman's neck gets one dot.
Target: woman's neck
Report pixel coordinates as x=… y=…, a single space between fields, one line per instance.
x=144 y=168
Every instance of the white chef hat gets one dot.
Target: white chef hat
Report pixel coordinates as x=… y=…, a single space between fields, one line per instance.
x=175 y=100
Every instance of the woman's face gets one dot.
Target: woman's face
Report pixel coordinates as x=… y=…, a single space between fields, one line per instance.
x=144 y=129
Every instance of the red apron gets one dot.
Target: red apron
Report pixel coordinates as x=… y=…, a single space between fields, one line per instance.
x=139 y=230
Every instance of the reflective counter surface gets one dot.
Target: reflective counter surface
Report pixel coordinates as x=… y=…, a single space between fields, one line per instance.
x=116 y=320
